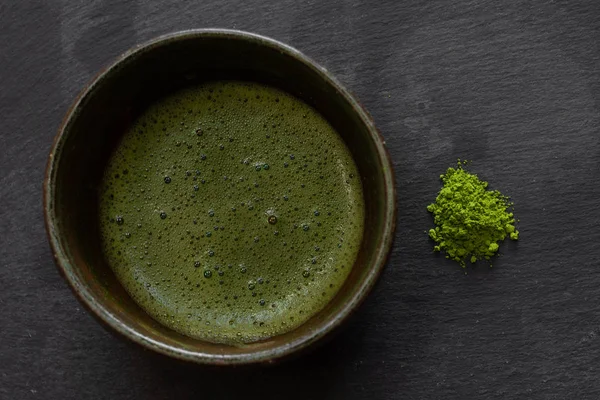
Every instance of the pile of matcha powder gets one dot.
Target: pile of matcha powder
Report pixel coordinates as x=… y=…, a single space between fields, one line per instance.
x=470 y=219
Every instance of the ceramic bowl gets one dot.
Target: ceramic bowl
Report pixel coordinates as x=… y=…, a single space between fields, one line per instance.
x=109 y=104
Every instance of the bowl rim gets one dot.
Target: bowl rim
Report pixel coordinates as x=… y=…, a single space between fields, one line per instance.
x=108 y=319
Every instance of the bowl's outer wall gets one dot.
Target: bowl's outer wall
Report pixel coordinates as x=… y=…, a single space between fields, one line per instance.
x=101 y=116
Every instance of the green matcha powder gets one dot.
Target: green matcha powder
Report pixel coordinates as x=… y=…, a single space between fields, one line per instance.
x=470 y=219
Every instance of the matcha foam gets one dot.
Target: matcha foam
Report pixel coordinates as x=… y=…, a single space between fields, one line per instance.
x=231 y=212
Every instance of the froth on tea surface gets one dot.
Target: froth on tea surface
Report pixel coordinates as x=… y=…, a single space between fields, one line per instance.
x=231 y=212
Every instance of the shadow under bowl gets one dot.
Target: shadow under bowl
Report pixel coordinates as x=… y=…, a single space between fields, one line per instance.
x=110 y=104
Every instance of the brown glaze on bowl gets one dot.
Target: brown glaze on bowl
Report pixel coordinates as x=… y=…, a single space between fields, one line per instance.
x=106 y=107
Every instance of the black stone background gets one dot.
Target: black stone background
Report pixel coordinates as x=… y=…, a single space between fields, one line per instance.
x=513 y=86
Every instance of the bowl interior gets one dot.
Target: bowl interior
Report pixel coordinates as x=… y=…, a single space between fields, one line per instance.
x=113 y=101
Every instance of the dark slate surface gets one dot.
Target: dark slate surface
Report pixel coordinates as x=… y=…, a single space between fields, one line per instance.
x=513 y=86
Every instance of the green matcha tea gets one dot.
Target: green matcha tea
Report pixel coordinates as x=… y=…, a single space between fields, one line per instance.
x=231 y=212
